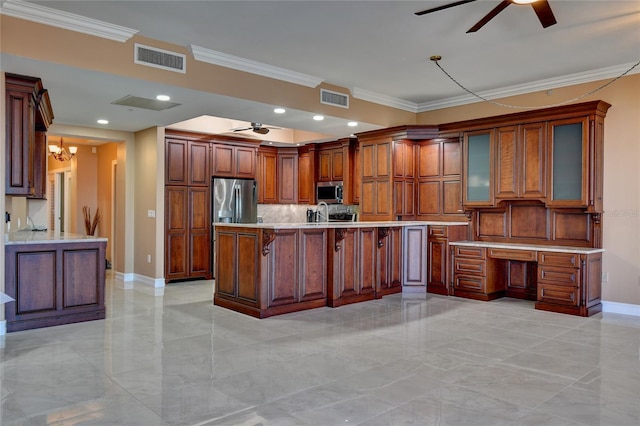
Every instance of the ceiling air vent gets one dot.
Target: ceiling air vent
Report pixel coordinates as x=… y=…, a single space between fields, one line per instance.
x=334 y=98
x=158 y=58
x=144 y=103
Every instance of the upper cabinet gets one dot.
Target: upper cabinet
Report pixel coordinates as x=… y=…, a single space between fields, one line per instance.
x=28 y=114
x=331 y=162
x=267 y=175
x=553 y=155
x=187 y=162
x=306 y=174
x=234 y=161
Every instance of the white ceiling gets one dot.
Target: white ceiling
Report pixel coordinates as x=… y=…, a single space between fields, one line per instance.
x=377 y=47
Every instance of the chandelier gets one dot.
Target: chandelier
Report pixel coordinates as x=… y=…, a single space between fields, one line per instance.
x=60 y=153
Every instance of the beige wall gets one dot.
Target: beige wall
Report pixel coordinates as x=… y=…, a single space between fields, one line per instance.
x=621 y=220
x=146 y=185
x=107 y=155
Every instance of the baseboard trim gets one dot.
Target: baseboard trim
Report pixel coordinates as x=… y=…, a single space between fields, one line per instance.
x=621 y=308
x=3 y=327
x=153 y=282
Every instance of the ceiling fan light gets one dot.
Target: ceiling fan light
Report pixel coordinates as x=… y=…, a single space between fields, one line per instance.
x=524 y=1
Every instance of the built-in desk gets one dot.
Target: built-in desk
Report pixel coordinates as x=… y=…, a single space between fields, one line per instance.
x=559 y=278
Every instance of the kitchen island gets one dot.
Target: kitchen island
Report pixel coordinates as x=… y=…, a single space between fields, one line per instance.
x=271 y=269
x=55 y=278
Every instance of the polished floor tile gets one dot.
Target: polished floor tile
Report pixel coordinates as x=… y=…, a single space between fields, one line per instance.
x=169 y=357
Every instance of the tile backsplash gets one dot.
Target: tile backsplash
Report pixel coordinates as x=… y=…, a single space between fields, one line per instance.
x=296 y=213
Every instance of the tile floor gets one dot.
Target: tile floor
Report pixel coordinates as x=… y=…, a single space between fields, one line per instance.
x=175 y=359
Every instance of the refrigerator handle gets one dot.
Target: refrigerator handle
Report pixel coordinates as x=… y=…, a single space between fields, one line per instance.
x=236 y=213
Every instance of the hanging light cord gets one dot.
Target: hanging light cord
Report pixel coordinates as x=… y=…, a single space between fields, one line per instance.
x=437 y=58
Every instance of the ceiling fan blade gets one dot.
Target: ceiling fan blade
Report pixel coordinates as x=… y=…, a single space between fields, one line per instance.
x=240 y=129
x=544 y=12
x=261 y=130
x=446 y=6
x=489 y=16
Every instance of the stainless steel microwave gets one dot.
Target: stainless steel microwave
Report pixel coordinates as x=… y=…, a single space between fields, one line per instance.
x=329 y=192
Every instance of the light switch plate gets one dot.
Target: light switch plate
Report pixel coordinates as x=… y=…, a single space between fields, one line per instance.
x=151 y=213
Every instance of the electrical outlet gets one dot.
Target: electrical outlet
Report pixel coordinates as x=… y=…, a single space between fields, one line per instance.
x=148 y=258
x=151 y=213
x=605 y=277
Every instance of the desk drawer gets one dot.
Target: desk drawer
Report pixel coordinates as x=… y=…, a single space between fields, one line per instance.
x=471 y=252
x=470 y=266
x=566 y=277
x=560 y=295
x=437 y=231
x=470 y=283
x=571 y=260
x=509 y=254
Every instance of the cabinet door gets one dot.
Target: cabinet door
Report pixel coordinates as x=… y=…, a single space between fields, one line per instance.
x=324 y=165
x=478 y=166
x=414 y=242
x=223 y=160
x=437 y=266
x=287 y=178
x=176 y=232
x=533 y=153
x=245 y=162
x=20 y=116
x=267 y=177
x=199 y=232
x=367 y=248
x=568 y=163
x=507 y=167
x=357 y=176
x=176 y=162
x=337 y=165
x=198 y=164
x=40 y=166
x=306 y=181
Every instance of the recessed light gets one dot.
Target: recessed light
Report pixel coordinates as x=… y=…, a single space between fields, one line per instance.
x=279 y=110
x=163 y=98
x=352 y=123
x=318 y=117
x=103 y=121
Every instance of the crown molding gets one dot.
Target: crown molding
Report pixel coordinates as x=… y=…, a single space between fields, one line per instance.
x=68 y=21
x=378 y=98
x=535 y=86
x=241 y=64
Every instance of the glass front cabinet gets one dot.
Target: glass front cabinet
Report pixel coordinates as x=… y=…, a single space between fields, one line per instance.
x=478 y=168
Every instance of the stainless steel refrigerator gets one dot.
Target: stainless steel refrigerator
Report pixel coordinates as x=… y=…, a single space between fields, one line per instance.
x=233 y=201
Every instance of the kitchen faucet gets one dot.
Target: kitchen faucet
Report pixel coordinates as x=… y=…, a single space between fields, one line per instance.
x=326 y=217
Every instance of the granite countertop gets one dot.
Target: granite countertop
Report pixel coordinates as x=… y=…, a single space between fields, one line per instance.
x=44 y=237
x=310 y=225
x=535 y=247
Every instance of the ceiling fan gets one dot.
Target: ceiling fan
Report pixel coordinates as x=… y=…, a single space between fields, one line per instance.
x=541 y=7
x=256 y=127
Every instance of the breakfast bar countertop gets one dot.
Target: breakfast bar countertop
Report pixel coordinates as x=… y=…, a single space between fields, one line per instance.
x=47 y=237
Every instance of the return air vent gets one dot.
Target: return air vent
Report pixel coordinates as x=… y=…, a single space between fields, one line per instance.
x=158 y=58
x=144 y=103
x=334 y=98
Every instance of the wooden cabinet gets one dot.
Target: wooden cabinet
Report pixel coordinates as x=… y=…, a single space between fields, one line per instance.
x=187 y=233
x=404 y=179
x=356 y=182
x=28 y=116
x=439 y=261
x=237 y=266
x=267 y=175
x=233 y=161
x=470 y=273
x=521 y=161
x=287 y=175
x=478 y=154
x=331 y=163
x=389 y=261
x=54 y=283
x=187 y=162
x=306 y=175
x=352 y=265
x=377 y=189
x=438 y=192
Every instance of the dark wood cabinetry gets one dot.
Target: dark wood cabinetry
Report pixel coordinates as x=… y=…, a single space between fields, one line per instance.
x=187 y=162
x=376 y=195
x=233 y=161
x=267 y=175
x=439 y=164
x=331 y=163
x=306 y=175
x=54 y=283
x=287 y=176
x=438 y=266
x=389 y=261
x=28 y=116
